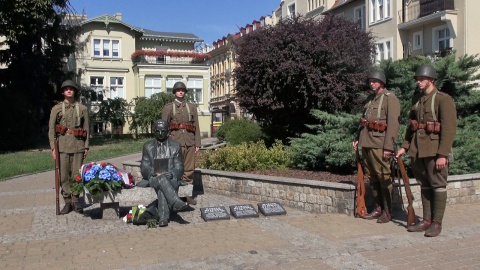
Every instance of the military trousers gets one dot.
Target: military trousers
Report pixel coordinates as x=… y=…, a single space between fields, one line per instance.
x=70 y=164
x=376 y=169
x=188 y=154
x=426 y=173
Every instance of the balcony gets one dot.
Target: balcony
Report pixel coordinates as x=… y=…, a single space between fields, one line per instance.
x=424 y=8
x=170 y=58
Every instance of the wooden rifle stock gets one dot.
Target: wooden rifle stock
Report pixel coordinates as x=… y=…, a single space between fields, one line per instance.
x=361 y=209
x=411 y=220
x=57 y=177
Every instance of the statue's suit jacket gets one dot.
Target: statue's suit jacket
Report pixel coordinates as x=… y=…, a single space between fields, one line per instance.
x=154 y=149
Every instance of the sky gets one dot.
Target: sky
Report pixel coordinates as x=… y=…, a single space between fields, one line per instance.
x=209 y=20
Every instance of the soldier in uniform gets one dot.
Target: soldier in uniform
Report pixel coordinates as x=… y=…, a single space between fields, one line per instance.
x=182 y=118
x=428 y=141
x=376 y=136
x=69 y=123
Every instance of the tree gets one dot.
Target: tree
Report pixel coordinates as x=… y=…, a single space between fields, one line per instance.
x=113 y=111
x=300 y=64
x=148 y=110
x=37 y=41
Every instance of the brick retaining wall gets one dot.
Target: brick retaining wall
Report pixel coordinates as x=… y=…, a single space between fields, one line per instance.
x=314 y=196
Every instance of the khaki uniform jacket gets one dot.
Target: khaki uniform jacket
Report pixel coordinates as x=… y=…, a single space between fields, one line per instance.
x=419 y=143
x=181 y=116
x=389 y=114
x=68 y=143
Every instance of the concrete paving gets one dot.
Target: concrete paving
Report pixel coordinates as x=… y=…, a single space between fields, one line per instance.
x=33 y=237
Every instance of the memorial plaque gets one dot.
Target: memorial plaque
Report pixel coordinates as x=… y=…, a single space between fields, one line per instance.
x=243 y=211
x=214 y=213
x=271 y=209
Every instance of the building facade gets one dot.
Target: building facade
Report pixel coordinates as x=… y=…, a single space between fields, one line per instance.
x=125 y=61
x=403 y=29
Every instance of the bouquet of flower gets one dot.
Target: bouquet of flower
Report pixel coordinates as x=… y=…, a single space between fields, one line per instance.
x=95 y=179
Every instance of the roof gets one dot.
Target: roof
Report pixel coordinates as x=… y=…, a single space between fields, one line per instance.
x=146 y=33
x=107 y=19
x=150 y=34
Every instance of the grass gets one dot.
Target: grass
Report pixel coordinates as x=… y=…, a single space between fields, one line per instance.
x=32 y=161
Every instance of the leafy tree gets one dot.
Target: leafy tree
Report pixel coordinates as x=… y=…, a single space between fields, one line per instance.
x=148 y=110
x=113 y=111
x=239 y=131
x=37 y=41
x=301 y=64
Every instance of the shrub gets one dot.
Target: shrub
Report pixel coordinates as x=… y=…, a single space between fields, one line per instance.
x=330 y=148
x=239 y=131
x=247 y=157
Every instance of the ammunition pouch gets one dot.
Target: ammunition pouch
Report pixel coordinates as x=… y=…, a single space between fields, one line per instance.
x=429 y=127
x=186 y=126
x=77 y=132
x=61 y=130
x=373 y=125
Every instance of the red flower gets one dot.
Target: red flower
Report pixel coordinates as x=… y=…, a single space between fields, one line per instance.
x=103 y=164
x=78 y=178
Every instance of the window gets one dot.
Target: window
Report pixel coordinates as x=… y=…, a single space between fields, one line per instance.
x=291 y=10
x=96 y=85
x=116 y=88
x=195 y=87
x=153 y=85
x=359 y=17
x=441 y=38
x=171 y=81
x=384 y=50
x=418 y=40
x=380 y=10
x=106 y=48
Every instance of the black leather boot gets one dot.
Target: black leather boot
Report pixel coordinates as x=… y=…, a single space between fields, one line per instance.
x=67 y=208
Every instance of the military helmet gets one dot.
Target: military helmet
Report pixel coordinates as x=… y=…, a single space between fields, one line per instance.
x=179 y=85
x=426 y=71
x=379 y=75
x=69 y=83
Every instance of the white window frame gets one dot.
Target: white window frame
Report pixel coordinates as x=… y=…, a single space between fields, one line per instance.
x=359 y=13
x=171 y=81
x=386 y=46
x=291 y=13
x=153 y=85
x=195 y=88
x=436 y=39
x=106 y=48
x=418 y=40
x=97 y=84
x=117 y=87
x=375 y=6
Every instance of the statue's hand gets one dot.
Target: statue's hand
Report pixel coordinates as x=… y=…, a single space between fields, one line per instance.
x=168 y=175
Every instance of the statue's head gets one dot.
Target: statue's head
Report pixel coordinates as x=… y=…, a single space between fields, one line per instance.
x=161 y=130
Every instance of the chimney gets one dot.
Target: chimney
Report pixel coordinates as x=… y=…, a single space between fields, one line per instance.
x=118 y=16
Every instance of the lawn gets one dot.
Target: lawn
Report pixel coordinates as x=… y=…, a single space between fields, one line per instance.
x=32 y=161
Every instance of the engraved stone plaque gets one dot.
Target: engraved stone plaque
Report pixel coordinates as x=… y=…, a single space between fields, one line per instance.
x=243 y=211
x=214 y=213
x=271 y=209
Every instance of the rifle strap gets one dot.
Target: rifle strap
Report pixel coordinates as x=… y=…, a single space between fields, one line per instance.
x=398 y=174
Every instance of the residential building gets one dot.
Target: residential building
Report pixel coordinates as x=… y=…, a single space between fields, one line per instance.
x=223 y=101
x=417 y=27
x=126 y=61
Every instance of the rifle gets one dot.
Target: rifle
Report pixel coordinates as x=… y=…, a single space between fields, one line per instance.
x=411 y=220
x=361 y=209
x=57 y=177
